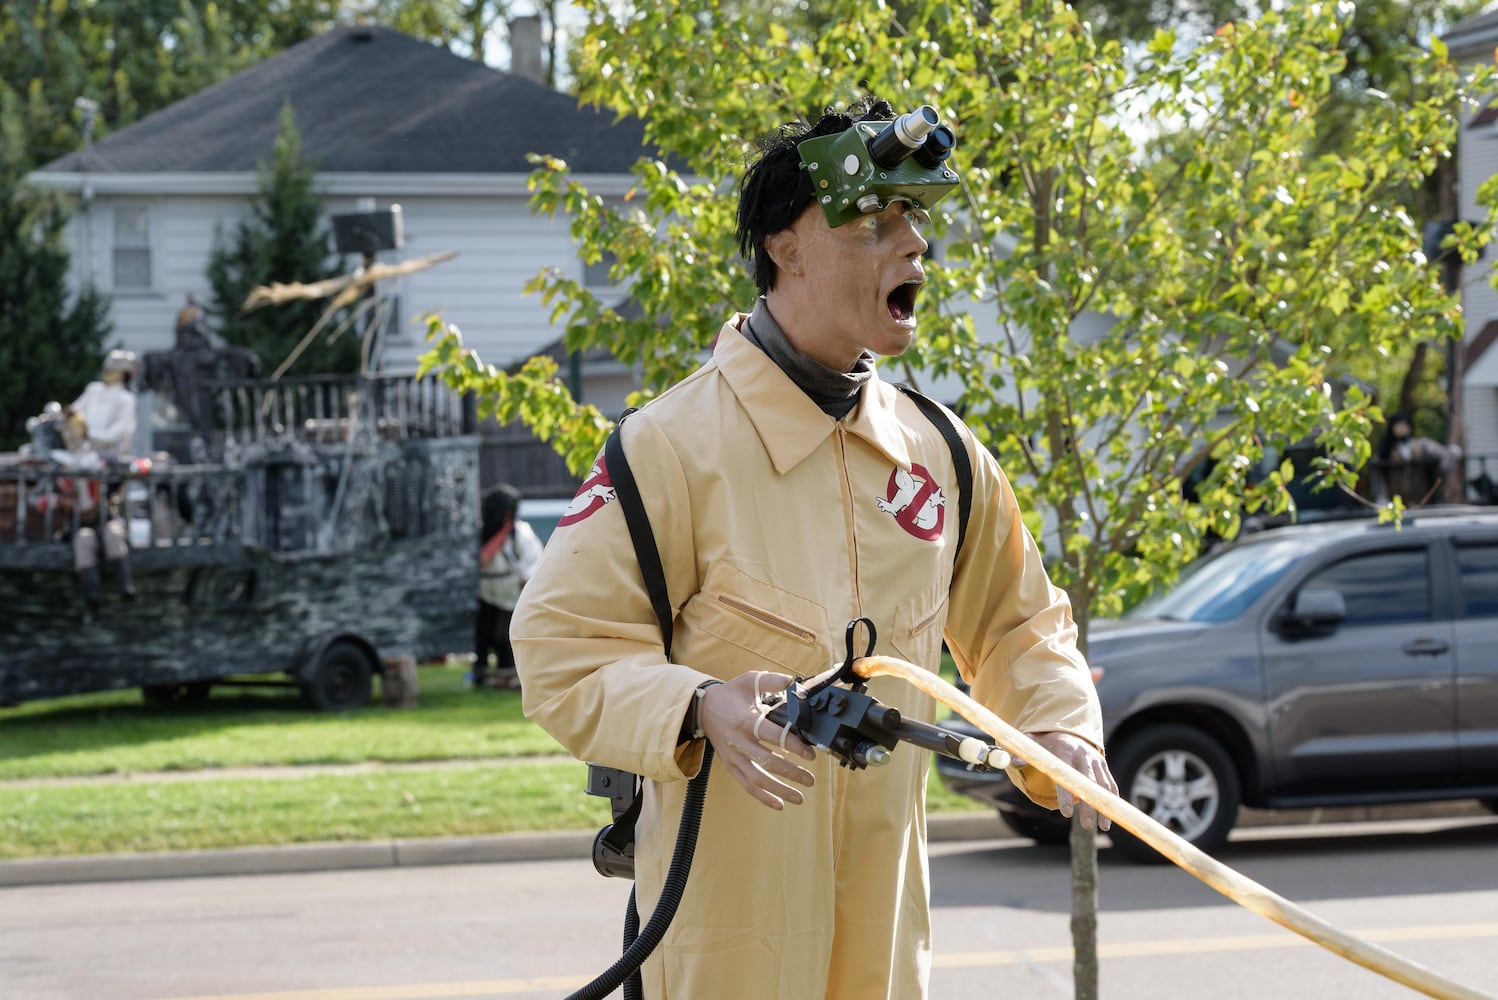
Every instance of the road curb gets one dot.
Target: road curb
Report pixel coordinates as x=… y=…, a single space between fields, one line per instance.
x=297 y=858
x=567 y=845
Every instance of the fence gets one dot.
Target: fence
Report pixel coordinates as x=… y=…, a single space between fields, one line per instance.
x=321 y=409
x=173 y=507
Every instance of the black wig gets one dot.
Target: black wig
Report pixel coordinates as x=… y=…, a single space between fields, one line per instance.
x=775 y=190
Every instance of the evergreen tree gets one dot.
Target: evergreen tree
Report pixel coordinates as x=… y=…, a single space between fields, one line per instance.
x=284 y=240
x=50 y=347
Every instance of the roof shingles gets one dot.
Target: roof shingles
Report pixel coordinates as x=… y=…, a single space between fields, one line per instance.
x=371 y=99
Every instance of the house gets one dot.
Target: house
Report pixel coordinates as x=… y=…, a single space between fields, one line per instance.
x=385 y=118
x=1470 y=42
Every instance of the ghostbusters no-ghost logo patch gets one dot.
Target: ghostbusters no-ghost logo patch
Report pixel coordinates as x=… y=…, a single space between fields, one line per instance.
x=596 y=491
x=915 y=501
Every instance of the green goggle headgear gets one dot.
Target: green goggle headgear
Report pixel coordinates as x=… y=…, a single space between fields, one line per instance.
x=865 y=168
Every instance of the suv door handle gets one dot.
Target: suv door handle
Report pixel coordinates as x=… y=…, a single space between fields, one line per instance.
x=1426 y=647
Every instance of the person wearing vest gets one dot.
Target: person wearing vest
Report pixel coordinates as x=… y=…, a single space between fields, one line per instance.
x=791 y=490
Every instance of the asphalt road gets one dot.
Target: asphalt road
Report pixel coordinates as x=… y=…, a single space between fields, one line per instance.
x=1427 y=890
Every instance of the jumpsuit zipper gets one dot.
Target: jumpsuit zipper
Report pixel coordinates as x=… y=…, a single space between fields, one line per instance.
x=840 y=821
x=925 y=623
x=849 y=519
x=775 y=622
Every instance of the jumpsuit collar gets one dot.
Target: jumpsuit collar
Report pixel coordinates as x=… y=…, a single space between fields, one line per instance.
x=788 y=423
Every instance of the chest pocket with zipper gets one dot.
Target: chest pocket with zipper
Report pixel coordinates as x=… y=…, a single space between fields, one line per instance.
x=757 y=625
x=918 y=626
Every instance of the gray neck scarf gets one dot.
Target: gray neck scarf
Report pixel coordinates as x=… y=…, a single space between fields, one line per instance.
x=834 y=392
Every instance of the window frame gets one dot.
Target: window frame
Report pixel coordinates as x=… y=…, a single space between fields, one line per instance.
x=1436 y=604
x=1457 y=544
x=600 y=268
x=147 y=210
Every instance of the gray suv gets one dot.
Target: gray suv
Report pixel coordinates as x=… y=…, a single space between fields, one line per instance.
x=1333 y=664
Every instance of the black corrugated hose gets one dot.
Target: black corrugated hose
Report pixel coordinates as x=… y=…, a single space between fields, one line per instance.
x=637 y=949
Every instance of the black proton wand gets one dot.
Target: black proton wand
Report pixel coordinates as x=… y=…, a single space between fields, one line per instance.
x=858 y=730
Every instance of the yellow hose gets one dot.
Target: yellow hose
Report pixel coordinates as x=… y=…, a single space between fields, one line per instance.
x=1232 y=884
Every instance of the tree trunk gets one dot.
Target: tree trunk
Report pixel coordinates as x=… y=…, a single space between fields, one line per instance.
x=1084 y=883
x=1084 y=868
x=1083 y=842
x=1409 y=388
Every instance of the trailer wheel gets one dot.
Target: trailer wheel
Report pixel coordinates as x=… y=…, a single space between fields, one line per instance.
x=341 y=680
x=192 y=694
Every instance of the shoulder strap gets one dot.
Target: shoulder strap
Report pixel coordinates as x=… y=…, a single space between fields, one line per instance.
x=939 y=416
x=620 y=835
x=646 y=553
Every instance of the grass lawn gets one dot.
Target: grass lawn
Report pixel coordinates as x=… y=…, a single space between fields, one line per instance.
x=117 y=734
x=51 y=821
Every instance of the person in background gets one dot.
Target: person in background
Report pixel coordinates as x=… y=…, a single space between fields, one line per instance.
x=1411 y=467
x=509 y=551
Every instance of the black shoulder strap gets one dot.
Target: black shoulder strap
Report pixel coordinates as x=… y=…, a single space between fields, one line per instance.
x=646 y=552
x=938 y=415
x=620 y=835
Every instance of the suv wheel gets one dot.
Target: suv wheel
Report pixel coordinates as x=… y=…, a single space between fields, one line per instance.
x=1183 y=780
x=1050 y=830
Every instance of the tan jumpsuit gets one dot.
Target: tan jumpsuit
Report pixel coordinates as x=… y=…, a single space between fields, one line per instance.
x=777 y=525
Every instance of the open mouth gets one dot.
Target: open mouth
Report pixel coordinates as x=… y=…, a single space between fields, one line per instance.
x=901 y=301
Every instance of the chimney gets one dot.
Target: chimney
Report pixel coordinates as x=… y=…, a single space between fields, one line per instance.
x=525 y=48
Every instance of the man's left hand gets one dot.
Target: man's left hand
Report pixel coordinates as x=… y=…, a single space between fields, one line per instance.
x=1088 y=760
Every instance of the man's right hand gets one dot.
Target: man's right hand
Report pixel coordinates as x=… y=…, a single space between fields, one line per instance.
x=756 y=752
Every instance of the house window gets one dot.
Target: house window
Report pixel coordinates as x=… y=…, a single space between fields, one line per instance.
x=597 y=275
x=132 y=247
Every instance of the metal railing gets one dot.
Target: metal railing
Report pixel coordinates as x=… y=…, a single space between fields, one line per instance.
x=43 y=504
x=324 y=409
x=1482 y=478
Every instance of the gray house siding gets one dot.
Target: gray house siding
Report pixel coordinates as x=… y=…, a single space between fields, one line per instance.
x=383 y=116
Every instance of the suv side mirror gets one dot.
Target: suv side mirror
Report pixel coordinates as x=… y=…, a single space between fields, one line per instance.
x=1314 y=609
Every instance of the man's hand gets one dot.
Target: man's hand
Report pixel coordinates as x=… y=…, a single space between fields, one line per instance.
x=756 y=751
x=1085 y=758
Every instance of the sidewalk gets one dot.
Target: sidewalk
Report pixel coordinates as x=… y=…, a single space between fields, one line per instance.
x=574 y=845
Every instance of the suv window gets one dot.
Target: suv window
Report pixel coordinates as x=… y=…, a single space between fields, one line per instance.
x=1479 y=566
x=1380 y=588
x=1220 y=587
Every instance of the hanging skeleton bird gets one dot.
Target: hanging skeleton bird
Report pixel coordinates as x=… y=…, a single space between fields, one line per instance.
x=357 y=286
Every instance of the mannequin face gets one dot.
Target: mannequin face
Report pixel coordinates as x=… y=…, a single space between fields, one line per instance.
x=842 y=291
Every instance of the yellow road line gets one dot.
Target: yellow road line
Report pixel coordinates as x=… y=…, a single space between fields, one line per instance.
x=1197 y=946
x=418 y=991
x=1018 y=956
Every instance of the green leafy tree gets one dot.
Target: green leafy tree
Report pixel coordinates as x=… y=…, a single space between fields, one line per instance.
x=134 y=57
x=283 y=240
x=1238 y=271
x=51 y=341
x=1375 y=40
x=467 y=27
x=1239 y=277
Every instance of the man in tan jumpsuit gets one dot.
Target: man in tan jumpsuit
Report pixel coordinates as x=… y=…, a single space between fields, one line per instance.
x=790 y=491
